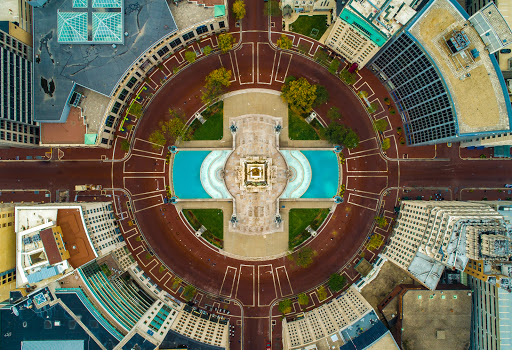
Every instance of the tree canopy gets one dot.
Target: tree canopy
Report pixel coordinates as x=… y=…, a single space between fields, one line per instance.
x=190 y=56
x=271 y=7
x=285 y=306
x=239 y=9
x=284 y=42
x=171 y=130
x=215 y=82
x=341 y=135
x=303 y=299
x=226 y=41
x=336 y=282
x=300 y=95
x=322 y=95
x=333 y=113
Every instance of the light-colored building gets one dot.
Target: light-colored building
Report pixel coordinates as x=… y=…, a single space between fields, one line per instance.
x=206 y=328
x=17 y=126
x=102 y=227
x=363 y=27
x=8 y=256
x=123 y=257
x=491 y=324
x=326 y=322
x=431 y=236
x=309 y=5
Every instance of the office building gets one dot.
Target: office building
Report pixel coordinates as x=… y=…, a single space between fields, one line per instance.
x=363 y=27
x=8 y=256
x=17 y=126
x=433 y=67
x=431 y=236
x=491 y=324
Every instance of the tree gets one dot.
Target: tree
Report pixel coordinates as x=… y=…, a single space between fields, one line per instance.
x=284 y=42
x=174 y=128
x=271 y=8
x=333 y=113
x=135 y=109
x=125 y=145
x=381 y=221
x=347 y=77
x=303 y=49
x=322 y=95
x=157 y=139
x=303 y=299
x=189 y=292
x=322 y=293
x=381 y=125
x=304 y=257
x=372 y=108
x=207 y=50
x=336 y=282
x=386 y=144
x=299 y=94
x=190 y=56
x=215 y=82
x=226 y=41
x=239 y=9
x=375 y=242
x=285 y=306
x=351 y=139
x=320 y=56
x=333 y=67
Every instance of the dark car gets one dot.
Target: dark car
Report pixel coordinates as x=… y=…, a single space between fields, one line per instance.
x=506 y=51
x=269 y=346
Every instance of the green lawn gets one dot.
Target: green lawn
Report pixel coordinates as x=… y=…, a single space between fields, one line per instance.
x=212 y=219
x=300 y=219
x=212 y=129
x=298 y=129
x=305 y=24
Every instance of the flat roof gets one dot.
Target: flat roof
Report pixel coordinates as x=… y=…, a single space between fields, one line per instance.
x=72 y=131
x=476 y=86
x=98 y=67
x=436 y=319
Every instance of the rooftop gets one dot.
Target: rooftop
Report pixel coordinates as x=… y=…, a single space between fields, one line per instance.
x=464 y=73
x=98 y=67
x=439 y=320
x=75 y=237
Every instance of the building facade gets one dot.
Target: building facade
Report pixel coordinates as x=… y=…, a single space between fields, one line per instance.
x=431 y=236
x=17 y=127
x=8 y=256
x=102 y=227
x=325 y=320
x=491 y=325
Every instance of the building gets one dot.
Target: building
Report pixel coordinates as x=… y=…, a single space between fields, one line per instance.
x=491 y=325
x=435 y=320
x=18 y=13
x=51 y=241
x=363 y=27
x=8 y=256
x=17 y=126
x=102 y=227
x=123 y=257
x=431 y=236
x=433 y=86
x=336 y=323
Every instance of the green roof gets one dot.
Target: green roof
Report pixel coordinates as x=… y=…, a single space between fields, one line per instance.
x=90 y=139
x=219 y=10
x=71 y=27
x=79 y=4
x=107 y=27
x=363 y=27
x=106 y=3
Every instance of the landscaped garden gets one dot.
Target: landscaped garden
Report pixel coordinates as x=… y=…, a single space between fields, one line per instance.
x=299 y=129
x=211 y=219
x=302 y=218
x=212 y=128
x=312 y=26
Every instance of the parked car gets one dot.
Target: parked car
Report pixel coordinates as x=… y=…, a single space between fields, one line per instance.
x=269 y=346
x=505 y=51
x=508 y=185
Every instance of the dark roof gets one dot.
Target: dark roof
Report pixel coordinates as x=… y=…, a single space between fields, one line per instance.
x=50 y=246
x=367 y=338
x=73 y=302
x=39 y=324
x=175 y=340
x=95 y=66
x=139 y=343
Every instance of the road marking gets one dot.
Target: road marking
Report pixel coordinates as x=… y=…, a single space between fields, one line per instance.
x=138 y=142
x=352 y=187
x=352 y=195
x=286 y=285
x=258 y=64
x=266 y=269
x=158 y=198
x=222 y=292
x=250 y=272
